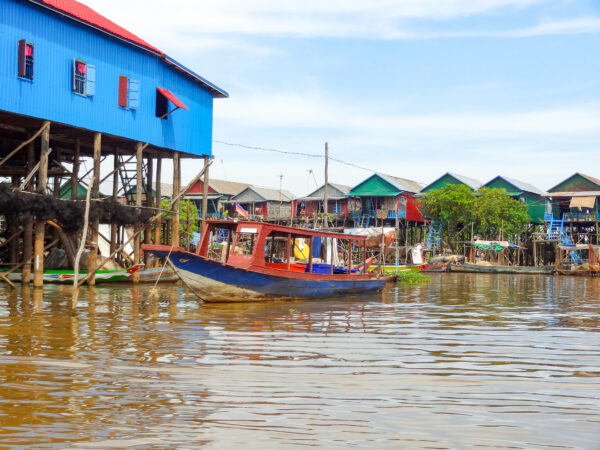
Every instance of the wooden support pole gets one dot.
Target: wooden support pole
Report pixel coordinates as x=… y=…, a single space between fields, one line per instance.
x=137 y=246
x=38 y=245
x=188 y=224
x=157 y=228
x=205 y=191
x=149 y=204
x=534 y=253
x=325 y=196
x=177 y=203
x=75 y=172
x=28 y=227
x=137 y=233
x=115 y=195
x=95 y=193
x=45 y=129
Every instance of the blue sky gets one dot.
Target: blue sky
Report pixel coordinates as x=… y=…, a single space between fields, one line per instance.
x=411 y=88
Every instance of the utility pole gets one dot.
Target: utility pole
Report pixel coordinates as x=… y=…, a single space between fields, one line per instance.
x=325 y=198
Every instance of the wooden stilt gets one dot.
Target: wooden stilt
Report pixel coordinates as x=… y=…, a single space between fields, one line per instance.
x=177 y=204
x=38 y=245
x=28 y=228
x=137 y=246
x=205 y=190
x=535 y=261
x=94 y=224
x=188 y=225
x=115 y=195
x=12 y=229
x=150 y=204
x=75 y=172
x=158 y=227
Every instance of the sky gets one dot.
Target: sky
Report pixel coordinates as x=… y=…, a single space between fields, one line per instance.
x=410 y=88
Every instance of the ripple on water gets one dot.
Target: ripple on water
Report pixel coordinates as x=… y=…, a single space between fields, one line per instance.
x=468 y=360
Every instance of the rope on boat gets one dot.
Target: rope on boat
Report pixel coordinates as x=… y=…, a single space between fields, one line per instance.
x=153 y=291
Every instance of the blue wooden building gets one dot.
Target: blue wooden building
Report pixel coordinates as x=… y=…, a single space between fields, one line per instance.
x=65 y=63
x=74 y=84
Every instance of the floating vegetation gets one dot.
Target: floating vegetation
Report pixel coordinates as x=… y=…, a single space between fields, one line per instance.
x=294 y=311
x=413 y=278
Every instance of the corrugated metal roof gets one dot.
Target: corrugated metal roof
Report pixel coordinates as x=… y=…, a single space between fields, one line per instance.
x=317 y=194
x=526 y=187
x=227 y=187
x=402 y=183
x=592 y=179
x=268 y=194
x=471 y=182
x=573 y=194
x=520 y=185
x=91 y=17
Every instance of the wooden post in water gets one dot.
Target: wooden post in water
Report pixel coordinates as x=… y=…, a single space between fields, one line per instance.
x=95 y=188
x=115 y=194
x=188 y=225
x=205 y=182
x=149 y=204
x=158 y=226
x=137 y=248
x=177 y=204
x=38 y=245
x=325 y=193
x=534 y=253
x=28 y=228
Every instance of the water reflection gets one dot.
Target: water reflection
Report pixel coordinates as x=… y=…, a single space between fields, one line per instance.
x=468 y=360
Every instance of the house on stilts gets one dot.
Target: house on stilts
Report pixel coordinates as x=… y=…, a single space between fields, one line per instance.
x=75 y=85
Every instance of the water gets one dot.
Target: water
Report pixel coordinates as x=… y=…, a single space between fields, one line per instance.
x=467 y=361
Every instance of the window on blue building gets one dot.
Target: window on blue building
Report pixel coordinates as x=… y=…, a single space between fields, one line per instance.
x=84 y=78
x=25 y=60
x=129 y=92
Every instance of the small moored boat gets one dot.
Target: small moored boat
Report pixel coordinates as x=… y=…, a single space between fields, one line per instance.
x=254 y=261
x=476 y=268
x=67 y=276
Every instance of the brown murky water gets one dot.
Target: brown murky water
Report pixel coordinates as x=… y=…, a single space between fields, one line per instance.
x=467 y=361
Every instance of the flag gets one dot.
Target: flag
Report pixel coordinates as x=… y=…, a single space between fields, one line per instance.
x=240 y=211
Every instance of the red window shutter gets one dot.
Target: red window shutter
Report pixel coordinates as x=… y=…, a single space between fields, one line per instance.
x=123 y=91
x=22 y=49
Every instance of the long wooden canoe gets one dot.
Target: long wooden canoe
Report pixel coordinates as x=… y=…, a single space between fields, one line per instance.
x=475 y=268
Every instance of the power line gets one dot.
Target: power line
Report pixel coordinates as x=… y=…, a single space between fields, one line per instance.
x=310 y=155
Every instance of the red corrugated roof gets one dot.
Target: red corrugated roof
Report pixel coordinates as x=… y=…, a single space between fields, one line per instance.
x=88 y=15
x=172 y=97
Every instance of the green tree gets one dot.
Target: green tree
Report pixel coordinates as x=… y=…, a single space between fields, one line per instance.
x=454 y=207
x=183 y=217
x=499 y=216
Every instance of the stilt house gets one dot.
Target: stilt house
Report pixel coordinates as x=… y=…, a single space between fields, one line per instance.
x=384 y=197
x=524 y=192
x=262 y=203
x=74 y=84
x=219 y=191
x=574 y=209
x=452 y=179
x=337 y=195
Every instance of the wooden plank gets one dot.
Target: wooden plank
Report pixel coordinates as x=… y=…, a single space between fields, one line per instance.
x=28 y=226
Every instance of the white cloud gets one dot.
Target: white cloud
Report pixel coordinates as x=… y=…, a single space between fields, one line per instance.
x=204 y=23
x=303 y=110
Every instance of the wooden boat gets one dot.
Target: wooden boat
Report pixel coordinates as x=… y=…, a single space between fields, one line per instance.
x=160 y=274
x=435 y=267
x=475 y=268
x=67 y=276
x=254 y=261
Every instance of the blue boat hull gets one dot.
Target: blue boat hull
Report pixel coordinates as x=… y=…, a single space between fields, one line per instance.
x=213 y=281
